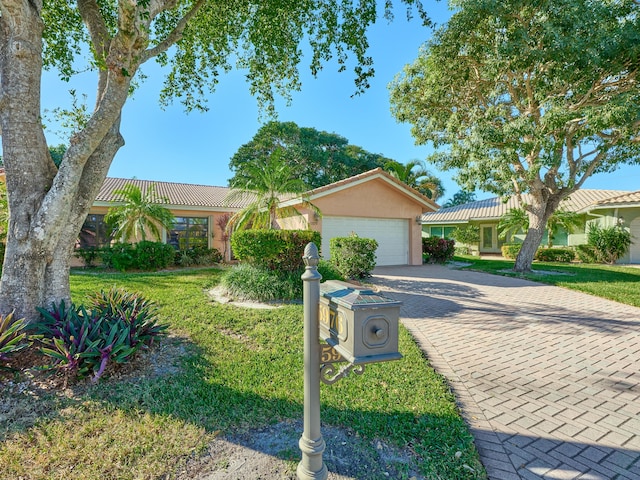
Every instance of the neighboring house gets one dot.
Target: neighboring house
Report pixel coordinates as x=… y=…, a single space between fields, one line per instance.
x=373 y=205
x=606 y=207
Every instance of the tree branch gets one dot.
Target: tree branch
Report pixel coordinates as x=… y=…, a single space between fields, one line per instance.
x=92 y=17
x=174 y=36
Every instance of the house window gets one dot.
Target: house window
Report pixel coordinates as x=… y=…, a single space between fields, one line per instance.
x=94 y=232
x=448 y=231
x=436 y=232
x=189 y=232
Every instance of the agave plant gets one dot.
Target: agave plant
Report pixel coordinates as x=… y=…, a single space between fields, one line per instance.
x=13 y=336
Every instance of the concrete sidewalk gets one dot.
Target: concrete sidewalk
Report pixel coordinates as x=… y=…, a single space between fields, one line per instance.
x=548 y=379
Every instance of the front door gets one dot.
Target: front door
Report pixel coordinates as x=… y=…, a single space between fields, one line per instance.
x=488 y=239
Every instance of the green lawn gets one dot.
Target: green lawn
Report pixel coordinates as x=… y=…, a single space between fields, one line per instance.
x=240 y=368
x=614 y=282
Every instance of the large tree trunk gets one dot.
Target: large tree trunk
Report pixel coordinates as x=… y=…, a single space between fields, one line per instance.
x=47 y=206
x=544 y=204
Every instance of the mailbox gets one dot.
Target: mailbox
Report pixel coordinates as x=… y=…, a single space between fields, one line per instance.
x=358 y=323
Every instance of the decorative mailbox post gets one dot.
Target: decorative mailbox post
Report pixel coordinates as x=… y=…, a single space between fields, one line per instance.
x=359 y=326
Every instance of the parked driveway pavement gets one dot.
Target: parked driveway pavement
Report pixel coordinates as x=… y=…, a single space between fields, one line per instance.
x=548 y=379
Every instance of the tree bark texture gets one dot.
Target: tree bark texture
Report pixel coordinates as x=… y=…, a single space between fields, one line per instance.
x=544 y=204
x=47 y=205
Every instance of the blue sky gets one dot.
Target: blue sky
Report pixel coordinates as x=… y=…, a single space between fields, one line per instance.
x=170 y=145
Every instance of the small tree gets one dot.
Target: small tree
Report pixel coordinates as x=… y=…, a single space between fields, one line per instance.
x=468 y=235
x=140 y=212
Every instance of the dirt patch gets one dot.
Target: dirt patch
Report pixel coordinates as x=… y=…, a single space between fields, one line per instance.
x=273 y=453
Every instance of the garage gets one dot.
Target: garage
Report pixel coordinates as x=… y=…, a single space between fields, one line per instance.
x=392 y=236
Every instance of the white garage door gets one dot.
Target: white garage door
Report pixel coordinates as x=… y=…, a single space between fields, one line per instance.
x=392 y=236
x=634 y=250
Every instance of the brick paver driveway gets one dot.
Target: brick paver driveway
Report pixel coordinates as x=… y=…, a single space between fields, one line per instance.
x=547 y=378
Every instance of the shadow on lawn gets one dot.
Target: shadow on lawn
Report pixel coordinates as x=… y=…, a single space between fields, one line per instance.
x=273 y=426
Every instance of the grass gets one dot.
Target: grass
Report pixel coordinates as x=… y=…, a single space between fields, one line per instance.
x=614 y=282
x=241 y=369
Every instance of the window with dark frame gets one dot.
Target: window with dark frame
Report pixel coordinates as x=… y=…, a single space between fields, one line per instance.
x=189 y=232
x=94 y=233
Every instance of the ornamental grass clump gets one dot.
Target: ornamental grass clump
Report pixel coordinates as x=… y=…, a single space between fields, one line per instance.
x=83 y=342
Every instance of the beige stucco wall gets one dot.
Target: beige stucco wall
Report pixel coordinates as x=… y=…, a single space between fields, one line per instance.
x=374 y=199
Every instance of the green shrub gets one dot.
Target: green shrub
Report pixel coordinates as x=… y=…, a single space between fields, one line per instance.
x=3 y=247
x=273 y=249
x=437 y=250
x=555 y=254
x=153 y=255
x=82 y=342
x=197 y=255
x=262 y=284
x=510 y=250
x=353 y=257
x=88 y=255
x=328 y=271
x=13 y=337
x=119 y=256
x=610 y=243
x=586 y=253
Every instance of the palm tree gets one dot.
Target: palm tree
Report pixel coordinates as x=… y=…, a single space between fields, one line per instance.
x=569 y=221
x=266 y=185
x=415 y=174
x=140 y=213
x=516 y=220
x=512 y=222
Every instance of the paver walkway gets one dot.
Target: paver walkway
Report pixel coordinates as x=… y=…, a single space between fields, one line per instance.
x=547 y=378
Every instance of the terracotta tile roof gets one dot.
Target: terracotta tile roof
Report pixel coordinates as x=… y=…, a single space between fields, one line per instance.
x=178 y=194
x=376 y=172
x=494 y=208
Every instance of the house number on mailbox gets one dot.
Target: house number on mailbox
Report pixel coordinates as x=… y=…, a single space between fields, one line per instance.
x=333 y=321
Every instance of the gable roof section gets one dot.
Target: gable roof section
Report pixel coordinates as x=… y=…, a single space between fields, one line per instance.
x=493 y=208
x=626 y=199
x=377 y=173
x=177 y=194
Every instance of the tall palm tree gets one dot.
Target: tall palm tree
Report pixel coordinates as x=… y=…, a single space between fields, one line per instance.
x=415 y=174
x=266 y=185
x=140 y=213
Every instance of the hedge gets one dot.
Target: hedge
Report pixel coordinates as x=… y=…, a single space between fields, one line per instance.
x=273 y=249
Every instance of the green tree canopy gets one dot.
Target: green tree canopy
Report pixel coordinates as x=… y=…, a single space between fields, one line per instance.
x=523 y=96
x=195 y=40
x=140 y=212
x=460 y=198
x=316 y=157
x=268 y=183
